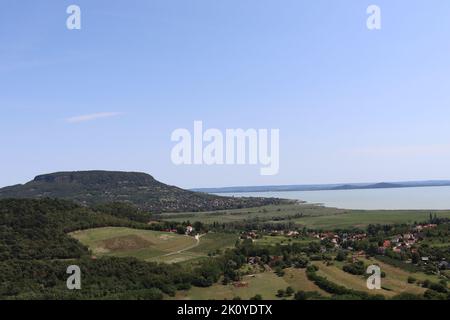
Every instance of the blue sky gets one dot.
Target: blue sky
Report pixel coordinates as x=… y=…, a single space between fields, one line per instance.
x=352 y=105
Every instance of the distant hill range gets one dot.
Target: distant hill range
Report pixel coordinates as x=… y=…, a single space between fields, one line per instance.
x=317 y=187
x=139 y=189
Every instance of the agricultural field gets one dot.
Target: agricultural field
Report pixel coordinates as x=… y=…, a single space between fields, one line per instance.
x=142 y=244
x=297 y=279
x=399 y=273
x=213 y=241
x=282 y=240
x=395 y=282
x=284 y=212
x=265 y=283
x=152 y=245
x=308 y=215
x=361 y=218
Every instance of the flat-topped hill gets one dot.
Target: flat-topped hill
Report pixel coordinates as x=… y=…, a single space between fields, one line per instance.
x=139 y=189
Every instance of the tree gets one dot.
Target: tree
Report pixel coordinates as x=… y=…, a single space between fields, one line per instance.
x=280 y=293
x=279 y=271
x=198 y=226
x=180 y=230
x=415 y=258
x=301 y=262
x=289 y=291
x=341 y=255
x=411 y=279
x=314 y=247
x=300 y=295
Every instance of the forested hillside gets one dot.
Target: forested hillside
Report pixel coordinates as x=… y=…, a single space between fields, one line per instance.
x=35 y=252
x=36 y=229
x=142 y=190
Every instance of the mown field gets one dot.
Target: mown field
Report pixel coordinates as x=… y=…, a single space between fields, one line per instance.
x=268 y=283
x=151 y=245
x=282 y=240
x=265 y=283
x=287 y=211
x=211 y=242
x=395 y=282
x=308 y=215
x=361 y=219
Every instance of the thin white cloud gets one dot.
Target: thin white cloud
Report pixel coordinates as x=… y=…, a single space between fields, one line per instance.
x=93 y=116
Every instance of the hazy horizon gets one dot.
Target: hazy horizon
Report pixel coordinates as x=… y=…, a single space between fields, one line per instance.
x=244 y=186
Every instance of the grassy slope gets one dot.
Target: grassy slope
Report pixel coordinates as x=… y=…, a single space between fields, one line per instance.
x=394 y=283
x=124 y=242
x=265 y=284
x=400 y=274
x=151 y=245
x=297 y=279
x=213 y=241
x=209 y=243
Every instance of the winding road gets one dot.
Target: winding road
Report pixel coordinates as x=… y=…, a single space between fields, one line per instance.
x=197 y=242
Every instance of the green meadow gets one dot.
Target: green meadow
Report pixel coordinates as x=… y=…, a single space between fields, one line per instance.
x=265 y=283
x=394 y=282
x=308 y=215
x=151 y=245
x=361 y=219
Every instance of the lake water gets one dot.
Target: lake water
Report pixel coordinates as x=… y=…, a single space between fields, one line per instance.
x=435 y=198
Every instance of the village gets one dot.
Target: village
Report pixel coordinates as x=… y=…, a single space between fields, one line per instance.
x=404 y=246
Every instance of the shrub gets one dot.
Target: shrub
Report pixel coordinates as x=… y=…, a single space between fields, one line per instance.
x=412 y=280
x=289 y=291
x=356 y=268
x=280 y=293
x=341 y=255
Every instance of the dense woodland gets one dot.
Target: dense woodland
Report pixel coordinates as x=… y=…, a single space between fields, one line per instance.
x=35 y=252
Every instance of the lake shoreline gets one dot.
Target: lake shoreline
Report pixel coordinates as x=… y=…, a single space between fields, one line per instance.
x=410 y=198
